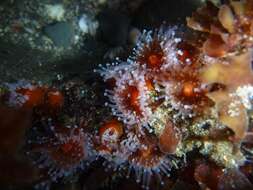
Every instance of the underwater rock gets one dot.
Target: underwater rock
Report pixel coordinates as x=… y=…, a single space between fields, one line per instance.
x=61 y=33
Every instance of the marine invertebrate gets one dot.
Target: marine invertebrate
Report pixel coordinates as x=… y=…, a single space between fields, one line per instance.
x=114 y=144
x=110 y=132
x=137 y=154
x=62 y=153
x=148 y=162
x=25 y=94
x=156 y=51
x=130 y=98
x=186 y=92
x=109 y=137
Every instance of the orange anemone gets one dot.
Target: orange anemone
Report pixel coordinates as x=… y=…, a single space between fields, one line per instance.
x=111 y=131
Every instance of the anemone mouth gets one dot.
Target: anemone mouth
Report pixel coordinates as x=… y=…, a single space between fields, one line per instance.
x=152 y=55
x=191 y=93
x=156 y=51
x=110 y=132
x=186 y=93
x=130 y=98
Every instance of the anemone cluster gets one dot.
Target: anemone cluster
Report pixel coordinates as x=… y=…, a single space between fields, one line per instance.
x=177 y=93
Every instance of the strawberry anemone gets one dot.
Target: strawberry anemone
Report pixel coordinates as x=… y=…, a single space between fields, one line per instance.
x=110 y=132
x=182 y=83
x=108 y=136
x=27 y=95
x=114 y=145
x=130 y=98
x=62 y=153
x=147 y=161
x=187 y=93
x=154 y=50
